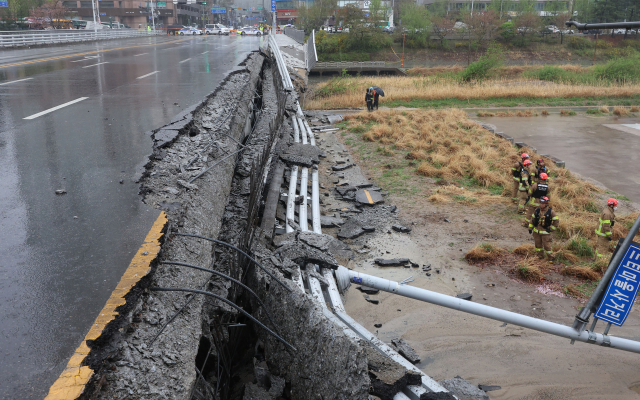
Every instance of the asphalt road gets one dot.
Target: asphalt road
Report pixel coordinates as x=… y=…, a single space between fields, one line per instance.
x=75 y=118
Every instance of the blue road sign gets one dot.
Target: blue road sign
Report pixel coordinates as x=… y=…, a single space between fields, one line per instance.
x=4 y=4
x=273 y=5
x=218 y=11
x=622 y=290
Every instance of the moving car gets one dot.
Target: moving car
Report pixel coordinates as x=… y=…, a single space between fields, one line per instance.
x=190 y=31
x=249 y=30
x=216 y=29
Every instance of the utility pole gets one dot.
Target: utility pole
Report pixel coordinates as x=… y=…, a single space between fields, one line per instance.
x=153 y=18
x=95 y=25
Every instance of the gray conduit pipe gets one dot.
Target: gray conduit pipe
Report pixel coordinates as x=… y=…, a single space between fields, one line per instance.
x=304 y=179
x=293 y=182
x=344 y=276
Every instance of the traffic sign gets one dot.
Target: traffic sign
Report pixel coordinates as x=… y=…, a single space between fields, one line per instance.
x=4 y=4
x=218 y=11
x=622 y=290
x=273 y=5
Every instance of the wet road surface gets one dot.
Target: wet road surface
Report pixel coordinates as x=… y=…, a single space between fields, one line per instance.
x=606 y=149
x=78 y=123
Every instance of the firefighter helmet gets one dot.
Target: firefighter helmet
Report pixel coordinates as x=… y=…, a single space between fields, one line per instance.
x=544 y=200
x=612 y=202
x=527 y=162
x=540 y=161
x=544 y=176
x=524 y=155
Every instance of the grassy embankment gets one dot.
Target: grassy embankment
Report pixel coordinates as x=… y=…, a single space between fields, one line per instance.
x=468 y=166
x=616 y=83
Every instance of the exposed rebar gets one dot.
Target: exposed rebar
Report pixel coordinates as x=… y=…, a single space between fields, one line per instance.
x=229 y=302
x=238 y=250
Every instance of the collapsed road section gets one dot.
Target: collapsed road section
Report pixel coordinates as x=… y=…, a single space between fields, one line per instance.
x=234 y=307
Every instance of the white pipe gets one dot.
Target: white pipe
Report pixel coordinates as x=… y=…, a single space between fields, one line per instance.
x=302 y=212
x=344 y=276
x=291 y=199
x=315 y=201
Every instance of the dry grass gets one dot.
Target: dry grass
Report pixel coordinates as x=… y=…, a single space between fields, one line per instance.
x=438 y=88
x=566 y=113
x=483 y=252
x=528 y=271
x=581 y=272
x=525 y=250
x=604 y=109
x=634 y=109
x=544 y=112
x=513 y=71
x=572 y=291
x=620 y=111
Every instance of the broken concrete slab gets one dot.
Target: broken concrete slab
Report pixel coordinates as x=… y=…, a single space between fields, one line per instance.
x=334 y=118
x=463 y=389
x=304 y=155
x=164 y=137
x=303 y=254
x=368 y=290
x=344 y=190
x=388 y=377
x=465 y=296
x=400 y=228
x=393 y=262
x=369 y=197
x=351 y=229
x=405 y=350
x=330 y=222
x=489 y=388
x=342 y=167
x=370 y=300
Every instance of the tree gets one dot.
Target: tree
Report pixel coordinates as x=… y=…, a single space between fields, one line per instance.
x=378 y=13
x=441 y=26
x=351 y=15
x=439 y=8
x=502 y=7
x=481 y=26
x=316 y=15
x=53 y=12
x=527 y=24
x=415 y=19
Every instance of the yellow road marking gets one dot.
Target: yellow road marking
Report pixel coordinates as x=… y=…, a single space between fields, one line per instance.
x=89 y=52
x=75 y=376
x=366 y=192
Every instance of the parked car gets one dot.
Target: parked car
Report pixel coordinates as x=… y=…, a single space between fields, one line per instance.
x=190 y=31
x=249 y=30
x=216 y=29
x=389 y=29
x=174 y=29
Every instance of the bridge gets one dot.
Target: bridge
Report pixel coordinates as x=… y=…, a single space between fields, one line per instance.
x=356 y=66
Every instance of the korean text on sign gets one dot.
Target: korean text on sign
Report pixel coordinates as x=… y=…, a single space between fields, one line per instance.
x=622 y=290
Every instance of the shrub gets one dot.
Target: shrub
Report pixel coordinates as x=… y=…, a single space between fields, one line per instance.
x=528 y=272
x=483 y=252
x=481 y=69
x=507 y=31
x=619 y=70
x=620 y=111
x=578 y=43
x=580 y=247
x=581 y=272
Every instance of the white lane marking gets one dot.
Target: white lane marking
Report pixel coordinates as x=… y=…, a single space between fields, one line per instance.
x=141 y=54
x=149 y=74
x=185 y=60
x=204 y=52
x=19 y=80
x=93 y=65
x=86 y=58
x=55 y=108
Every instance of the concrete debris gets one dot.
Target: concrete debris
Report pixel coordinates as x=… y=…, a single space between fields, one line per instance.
x=164 y=137
x=344 y=190
x=342 y=167
x=187 y=185
x=405 y=350
x=255 y=392
x=393 y=262
x=61 y=192
x=387 y=376
x=369 y=197
x=304 y=155
x=489 y=388
x=465 y=296
x=334 y=118
x=400 y=228
x=330 y=222
x=303 y=254
x=377 y=325
x=447 y=220
x=351 y=229
x=463 y=389
x=370 y=300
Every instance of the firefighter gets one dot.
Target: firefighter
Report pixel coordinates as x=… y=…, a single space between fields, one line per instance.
x=536 y=191
x=605 y=223
x=540 y=168
x=523 y=187
x=516 y=171
x=368 y=98
x=544 y=222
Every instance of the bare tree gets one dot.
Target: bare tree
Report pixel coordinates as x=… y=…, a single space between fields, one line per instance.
x=481 y=26
x=442 y=26
x=527 y=24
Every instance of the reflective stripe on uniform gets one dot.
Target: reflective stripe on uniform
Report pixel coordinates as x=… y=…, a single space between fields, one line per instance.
x=541 y=232
x=600 y=226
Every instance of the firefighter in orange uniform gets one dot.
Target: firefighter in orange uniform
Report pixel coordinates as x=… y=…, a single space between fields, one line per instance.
x=604 y=231
x=523 y=187
x=516 y=171
x=536 y=191
x=544 y=222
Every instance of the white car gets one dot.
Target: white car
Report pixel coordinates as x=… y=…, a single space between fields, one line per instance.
x=249 y=30
x=190 y=31
x=216 y=29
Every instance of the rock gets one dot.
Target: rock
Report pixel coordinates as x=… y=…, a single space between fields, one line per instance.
x=351 y=230
x=465 y=220
x=368 y=290
x=447 y=220
x=400 y=228
x=171 y=190
x=369 y=229
x=465 y=296
x=463 y=389
x=377 y=325
x=369 y=197
x=334 y=118
x=414 y=265
x=330 y=222
x=304 y=155
x=121 y=181
x=394 y=262
x=489 y=388
x=255 y=392
x=318 y=240
x=393 y=209
x=277 y=386
x=344 y=190
x=370 y=300
x=405 y=350
x=342 y=167
x=61 y=192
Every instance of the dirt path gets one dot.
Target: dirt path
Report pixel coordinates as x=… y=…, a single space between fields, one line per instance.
x=525 y=363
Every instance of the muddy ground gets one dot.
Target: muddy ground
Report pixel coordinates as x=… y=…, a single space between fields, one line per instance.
x=525 y=363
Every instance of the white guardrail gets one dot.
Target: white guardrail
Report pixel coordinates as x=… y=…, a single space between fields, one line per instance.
x=28 y=38
x=349 y=64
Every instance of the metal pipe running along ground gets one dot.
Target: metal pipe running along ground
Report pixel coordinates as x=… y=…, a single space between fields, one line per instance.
x=344 y=276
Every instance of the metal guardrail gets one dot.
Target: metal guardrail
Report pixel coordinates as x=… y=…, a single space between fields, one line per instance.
x=294 y=34
x=18 y=39
x=350 y=64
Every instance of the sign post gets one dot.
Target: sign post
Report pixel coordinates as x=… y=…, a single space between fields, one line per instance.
x=623 y=289
x=275 y=16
